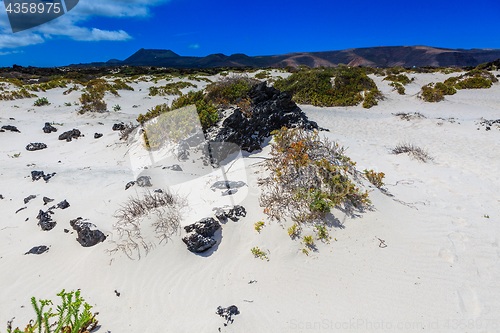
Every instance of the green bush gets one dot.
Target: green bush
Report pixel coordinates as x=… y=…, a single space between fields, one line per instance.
x=398 y=87
x=229 y=89
x=446 y=89
x=371 y=98
x=170 y=89
x=401 y=78
x=315 y=86
x=41 y=101
x=474 y=83
x=376 y=178
x=70 y=317
x=431 y=94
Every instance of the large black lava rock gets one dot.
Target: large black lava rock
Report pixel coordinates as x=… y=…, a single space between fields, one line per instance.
x=36 y=146
x=69 y=135
x=86 y=236
x=200 y=235
x=48 y=128
x=228 y=313
x=45 y=220
x=272 y=110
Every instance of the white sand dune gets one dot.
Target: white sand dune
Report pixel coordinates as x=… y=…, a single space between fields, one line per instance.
x=439 y=272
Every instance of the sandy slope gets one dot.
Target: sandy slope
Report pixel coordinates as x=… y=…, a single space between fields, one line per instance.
x=440 y=271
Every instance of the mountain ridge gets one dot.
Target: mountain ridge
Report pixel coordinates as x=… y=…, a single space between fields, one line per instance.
x=379 y=56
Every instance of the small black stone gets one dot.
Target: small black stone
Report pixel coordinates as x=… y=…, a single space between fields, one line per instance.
x=97 y=135
x=27 y=199
x=38 y=250
x=36 y=146
x=11 y=128
x=48 y=128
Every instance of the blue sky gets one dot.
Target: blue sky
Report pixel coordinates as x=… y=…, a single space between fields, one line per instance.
x=99 y=30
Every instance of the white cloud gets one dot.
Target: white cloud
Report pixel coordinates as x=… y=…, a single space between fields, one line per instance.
x=69 y=25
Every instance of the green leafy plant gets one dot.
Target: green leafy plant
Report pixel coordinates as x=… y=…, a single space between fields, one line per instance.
x=294 y=230
x=170 y=89
x=67 y=104
x=259 y=225
x=308 y=241
x=258 y=253
x=322 y=233
x=71 y=317
x=41 y=101
x=117 y=107
x=228 y=90
x=305 y=251
x=400 y=78
x=398 y=87
x=376 y=178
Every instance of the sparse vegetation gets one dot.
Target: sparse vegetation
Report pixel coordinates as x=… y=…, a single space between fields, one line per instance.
x=41 y=101
x=294 y=230
x=170 y=89
x=398 y=87
x=16 y=94
x=315 y=87
x=409 y=115
x=413 y=151
x=228 y=90
x=400 y=78
x=259 y=225
x=376 y=178
x=322 y=233
x=308 y=177
x=258 y=253
x=67 y=104
x=71 y=318
x=308 y=241
x=117 y=107
x=165 y=210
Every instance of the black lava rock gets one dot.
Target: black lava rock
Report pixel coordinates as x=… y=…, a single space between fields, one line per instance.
x=45 y=220
x=46 y=200
x=1 y=197
x=228 y=313
x=144 y=181
x=97 y=135
x=69 y=135
x=86 y=236
x=36 y=146
x=233 y=214
x=11 y=128
x=272 y=110
x=48 y=128
x=129 y=185
x=36 y=175
x=226 y=185
x=38 y=250
x=28 y=198
x=200 y=235
x=175 y=167
x=119 y=127
x=20 y=209
x=63 y=204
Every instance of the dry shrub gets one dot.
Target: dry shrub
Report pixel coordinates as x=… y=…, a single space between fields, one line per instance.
x=129 y=128
x=409 y=116
x=165 y=207
x=308 y=177
x=227 y=90
x=413 y=151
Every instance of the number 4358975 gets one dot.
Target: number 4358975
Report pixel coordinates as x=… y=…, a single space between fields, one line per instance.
x=33 y=8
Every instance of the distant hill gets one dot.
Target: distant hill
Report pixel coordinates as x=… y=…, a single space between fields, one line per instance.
x=382 y=56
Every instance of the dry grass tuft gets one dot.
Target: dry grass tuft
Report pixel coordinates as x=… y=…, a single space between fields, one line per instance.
x=164 y=207
x=413 y=151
